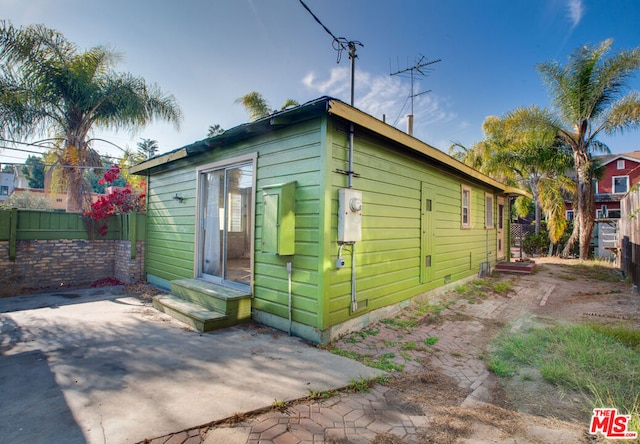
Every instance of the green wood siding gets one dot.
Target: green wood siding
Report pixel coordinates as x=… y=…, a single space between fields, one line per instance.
x=169 y=246
x=396 y=236
x=295 y=155
x=290 y=154
x=411 y=209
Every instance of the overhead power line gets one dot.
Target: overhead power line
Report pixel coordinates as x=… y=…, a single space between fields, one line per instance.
x=340 y=44
x=19 y=149
x=52 y=165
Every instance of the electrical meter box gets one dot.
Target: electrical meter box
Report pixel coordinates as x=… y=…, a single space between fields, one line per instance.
x=349 y=215
x=279 y=218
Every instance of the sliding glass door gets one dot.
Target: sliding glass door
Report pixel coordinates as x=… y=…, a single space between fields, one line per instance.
x=225 y=236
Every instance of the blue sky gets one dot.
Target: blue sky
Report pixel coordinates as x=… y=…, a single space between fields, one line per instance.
x=207 y=53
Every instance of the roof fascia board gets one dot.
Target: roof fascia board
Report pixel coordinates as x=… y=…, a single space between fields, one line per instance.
x=364 y=120
x=160 y=160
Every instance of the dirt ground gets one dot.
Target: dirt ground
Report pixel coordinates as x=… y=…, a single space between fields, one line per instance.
x=446 y=379
x=520 y=409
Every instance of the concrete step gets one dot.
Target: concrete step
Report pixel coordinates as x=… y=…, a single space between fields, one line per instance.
x=192 y=314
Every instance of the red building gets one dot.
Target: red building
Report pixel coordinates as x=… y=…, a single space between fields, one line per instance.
x=621 y=172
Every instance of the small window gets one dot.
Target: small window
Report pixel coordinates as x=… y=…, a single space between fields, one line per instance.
x=613 y=214
x=466 y=207
x=620 y=184
x=620 y=164
x=488 y=211
x=4 y=190
x=570 y=215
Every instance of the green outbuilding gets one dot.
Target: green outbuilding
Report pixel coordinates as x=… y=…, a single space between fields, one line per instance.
x=316 y=220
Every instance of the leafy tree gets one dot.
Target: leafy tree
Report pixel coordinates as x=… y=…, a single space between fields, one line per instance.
x=129 y=159
x=94 y=177
x=25 y=201
x=121 y=201
x=147 y=148
x=33 y=170
x=257 y=106
x=519 y=153
x=534 y=157
x=8 y=169
x=589 y=97
x=49 y=87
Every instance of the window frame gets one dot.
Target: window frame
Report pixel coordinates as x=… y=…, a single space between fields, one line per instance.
x=566 y=215
x=613 y=184
x=489 y=224
x=620 y=164
x=465 y=189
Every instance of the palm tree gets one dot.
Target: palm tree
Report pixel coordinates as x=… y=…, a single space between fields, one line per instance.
x=589 y=97
x=215 y=130
x=48 y=86
x=147 y=148
x=257 y=106
x=517 y=152
x=533 y=156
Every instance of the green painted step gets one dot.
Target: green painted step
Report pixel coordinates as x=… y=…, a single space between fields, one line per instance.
x=192 y=314
x=229 y=301
x=204 y=305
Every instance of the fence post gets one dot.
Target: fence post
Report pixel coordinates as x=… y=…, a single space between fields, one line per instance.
x=132 y=219
x=13 y=233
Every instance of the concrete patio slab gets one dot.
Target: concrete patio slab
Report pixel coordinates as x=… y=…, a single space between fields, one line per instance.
x=96 y=366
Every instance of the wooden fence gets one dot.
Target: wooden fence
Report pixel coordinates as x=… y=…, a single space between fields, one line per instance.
x=43 y=249
x=629 y=234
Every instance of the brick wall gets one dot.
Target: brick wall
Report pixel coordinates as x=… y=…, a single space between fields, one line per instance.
x=126 y=269
x=56 y=263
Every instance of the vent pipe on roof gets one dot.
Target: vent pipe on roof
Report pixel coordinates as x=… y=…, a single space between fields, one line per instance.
x=410 y=124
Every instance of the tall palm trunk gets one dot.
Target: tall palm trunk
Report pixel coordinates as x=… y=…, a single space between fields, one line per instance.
x=587 y=220
x=586 y=199
x=77 y=156
x=574 y=234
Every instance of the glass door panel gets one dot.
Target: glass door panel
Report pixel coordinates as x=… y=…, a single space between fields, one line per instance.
x=213 y=187
x=500 y=233
x=227 y=195
x=239 y=194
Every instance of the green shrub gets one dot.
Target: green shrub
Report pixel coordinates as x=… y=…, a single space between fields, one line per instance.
x=536 y=243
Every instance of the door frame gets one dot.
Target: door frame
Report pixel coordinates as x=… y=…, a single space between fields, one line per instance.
x=199 y=213
x=500 y=230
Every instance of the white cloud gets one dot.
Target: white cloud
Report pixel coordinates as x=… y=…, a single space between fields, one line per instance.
x=380 y=95
x=336 y=85
x=575 y=10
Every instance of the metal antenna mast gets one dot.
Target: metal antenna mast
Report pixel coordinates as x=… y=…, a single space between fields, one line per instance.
x=341 y=44
x=417 y=69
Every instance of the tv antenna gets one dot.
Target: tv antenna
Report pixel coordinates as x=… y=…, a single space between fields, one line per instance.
x=418 y=69
x=341 y=44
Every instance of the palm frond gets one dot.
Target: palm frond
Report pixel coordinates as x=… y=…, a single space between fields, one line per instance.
x=624 y=114
x=255 y=104
x=49 y=86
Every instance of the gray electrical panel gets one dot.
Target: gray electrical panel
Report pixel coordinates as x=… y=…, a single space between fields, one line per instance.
x=349 y=215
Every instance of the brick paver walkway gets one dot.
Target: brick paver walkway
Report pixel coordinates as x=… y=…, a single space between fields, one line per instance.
x=359 y=417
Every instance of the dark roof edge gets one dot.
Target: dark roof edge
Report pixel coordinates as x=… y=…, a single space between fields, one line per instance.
x=243 y=131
